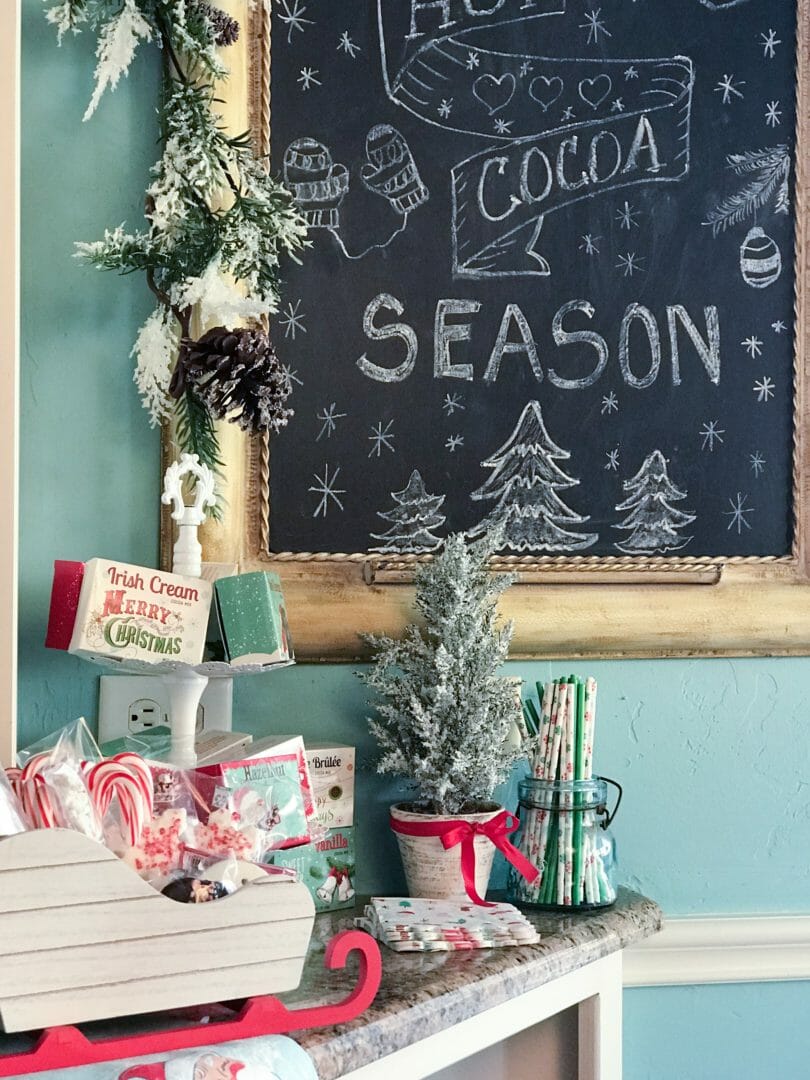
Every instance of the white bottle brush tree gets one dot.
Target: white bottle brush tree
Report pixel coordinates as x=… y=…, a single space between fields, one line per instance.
x=216 y=224
x=445 y=718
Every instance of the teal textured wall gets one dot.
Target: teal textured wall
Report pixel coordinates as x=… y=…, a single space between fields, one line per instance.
x=713 y=753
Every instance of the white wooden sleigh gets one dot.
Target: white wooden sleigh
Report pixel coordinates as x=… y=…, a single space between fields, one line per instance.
x=82 y=937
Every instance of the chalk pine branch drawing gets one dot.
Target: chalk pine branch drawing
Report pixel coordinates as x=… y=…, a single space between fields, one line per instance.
x=652 y=521
x=525 y=482
x=413 y=519
x=766 y=174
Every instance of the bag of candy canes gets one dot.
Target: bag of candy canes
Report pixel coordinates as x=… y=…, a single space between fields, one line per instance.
x=51 y=781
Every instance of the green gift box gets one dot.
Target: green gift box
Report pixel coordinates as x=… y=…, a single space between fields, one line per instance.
x=325 y=866
x=252 y=619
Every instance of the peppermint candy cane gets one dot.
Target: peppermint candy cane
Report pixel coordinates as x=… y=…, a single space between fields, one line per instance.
x=110 y=780
x=34 y=794
x=14 y=777
x=143 y=774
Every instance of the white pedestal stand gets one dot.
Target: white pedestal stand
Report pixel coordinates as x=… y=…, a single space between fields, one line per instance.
x=186 y=683
x=185 y=688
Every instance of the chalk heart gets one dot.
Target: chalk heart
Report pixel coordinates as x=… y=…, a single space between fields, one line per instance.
x=594 y=91
x=545 y=91
x=494 y=93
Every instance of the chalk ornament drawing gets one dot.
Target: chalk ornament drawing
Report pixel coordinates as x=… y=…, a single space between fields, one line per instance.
x=767 y=175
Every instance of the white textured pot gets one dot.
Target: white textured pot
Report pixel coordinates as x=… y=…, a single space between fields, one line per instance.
x=434 y=872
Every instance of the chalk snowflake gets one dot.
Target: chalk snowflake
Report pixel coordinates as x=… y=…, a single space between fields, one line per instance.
x=294 y=19
x=291 y=374
x=630 y=263
x=773 y=114
x=473 y=60
x=617 y=106
x=727 y=87
x=454 y=442
x=588 y=244
x=594 y=25
x=445 y=108
x=292 y=320
x=627 y=216
x=308 y=79
x=612 y=459
x=381 y=437
x=711 y=434
x=325 y=487
x=769 y=42
x=631 y=72
x=569 y=114
x=330 y=418
x=502 y=126
x=764 y=389
x=610 y=404
x=753 y=346
x=758 y=463
x=525 y=69
x=778 y=326
x=452 y=402
x=738 y=512
x=346 y=45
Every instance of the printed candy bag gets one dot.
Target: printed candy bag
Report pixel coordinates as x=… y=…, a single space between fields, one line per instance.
x=159 y=850
x=261 y=798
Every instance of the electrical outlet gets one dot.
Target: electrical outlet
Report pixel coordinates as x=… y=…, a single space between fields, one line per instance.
x=129 y=704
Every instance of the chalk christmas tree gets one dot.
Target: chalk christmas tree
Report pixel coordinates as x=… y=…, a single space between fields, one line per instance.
x=653 y=522
x=413 y=519
x=525 y=481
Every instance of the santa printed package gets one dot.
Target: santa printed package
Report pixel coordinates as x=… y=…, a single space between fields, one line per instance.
x=325 y=866
x=274 y=1057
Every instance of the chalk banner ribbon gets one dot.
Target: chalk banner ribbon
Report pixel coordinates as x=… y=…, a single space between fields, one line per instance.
x=560 y=130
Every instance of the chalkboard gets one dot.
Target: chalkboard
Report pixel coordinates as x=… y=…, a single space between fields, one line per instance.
x=550 y=280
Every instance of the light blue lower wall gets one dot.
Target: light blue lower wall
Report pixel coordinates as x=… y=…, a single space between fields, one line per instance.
x=713 y=753
x=751 y=1031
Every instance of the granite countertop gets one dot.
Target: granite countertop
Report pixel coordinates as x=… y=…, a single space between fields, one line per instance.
x=424 y=993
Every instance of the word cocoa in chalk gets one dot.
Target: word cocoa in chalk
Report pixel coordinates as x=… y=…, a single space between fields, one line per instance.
x=134 y=613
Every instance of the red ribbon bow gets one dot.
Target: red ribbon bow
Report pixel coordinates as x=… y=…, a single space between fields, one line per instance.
x=464 y=832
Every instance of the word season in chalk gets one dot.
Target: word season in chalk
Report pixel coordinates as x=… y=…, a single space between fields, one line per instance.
x=638 y=343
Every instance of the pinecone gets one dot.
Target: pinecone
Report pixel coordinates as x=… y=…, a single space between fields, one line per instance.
x=225 y=30
x=238 y=376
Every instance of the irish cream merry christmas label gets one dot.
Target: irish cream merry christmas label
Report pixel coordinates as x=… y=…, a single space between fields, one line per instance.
x=134 y=613
x=551 y=275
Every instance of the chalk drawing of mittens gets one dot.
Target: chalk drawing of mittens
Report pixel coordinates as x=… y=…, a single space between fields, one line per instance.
x=318 y=185
x=391 y=170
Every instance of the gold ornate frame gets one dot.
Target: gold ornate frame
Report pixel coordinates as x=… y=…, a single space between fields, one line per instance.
x=562 y=606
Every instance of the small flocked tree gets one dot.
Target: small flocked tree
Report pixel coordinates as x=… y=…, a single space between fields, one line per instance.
x=413 y=519
x=445 y=715
x=525 y=481
x=652 y=520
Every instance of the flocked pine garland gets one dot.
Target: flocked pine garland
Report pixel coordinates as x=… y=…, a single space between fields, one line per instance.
x=216 y=226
